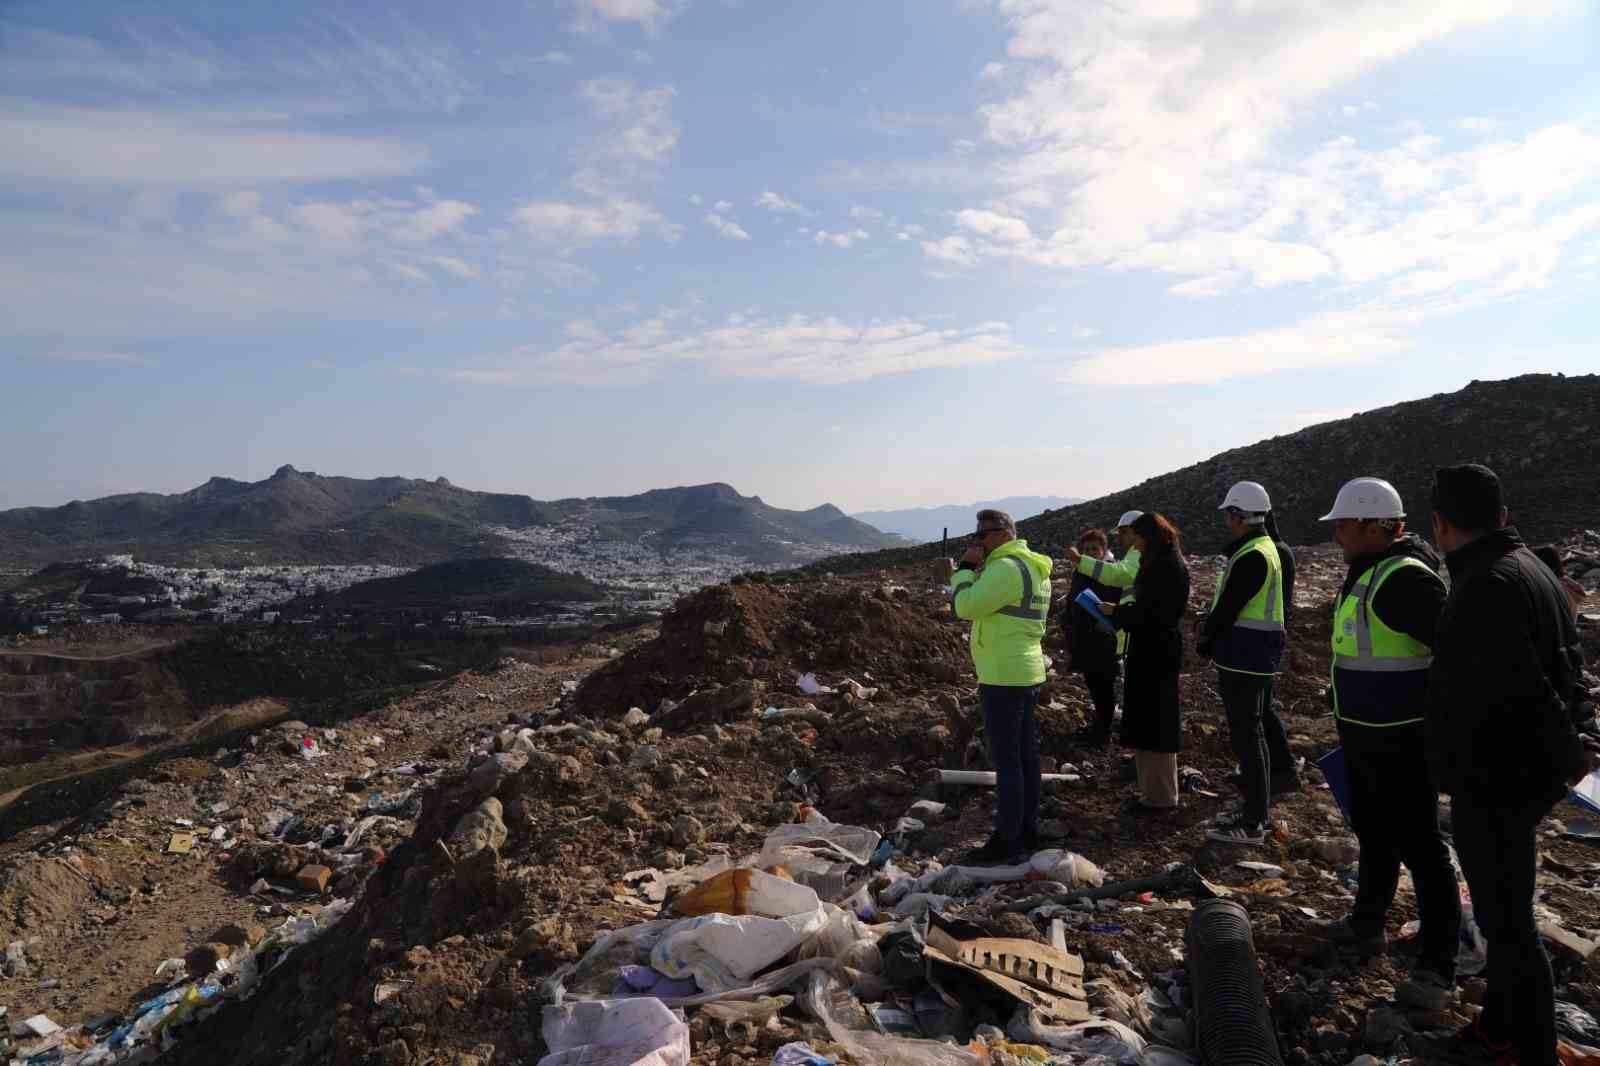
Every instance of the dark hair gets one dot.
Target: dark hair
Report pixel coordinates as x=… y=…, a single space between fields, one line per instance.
x=997 y=518
x=1093 y=536
x=1159 y=533
x=1468 y=496
x=1272 y=526
x=1550 y=555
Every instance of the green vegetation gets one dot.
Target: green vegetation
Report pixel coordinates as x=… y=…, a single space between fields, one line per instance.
x=470 y=584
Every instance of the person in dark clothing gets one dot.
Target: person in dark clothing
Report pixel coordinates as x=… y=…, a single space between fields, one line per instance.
x=1550 y=555
x=1503 y=695
x=1093 y=650
x=1244 y=634
x=1152 y=721
x=1383 y=633
x=1283 y=777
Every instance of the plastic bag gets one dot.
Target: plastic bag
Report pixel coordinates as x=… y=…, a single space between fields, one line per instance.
x=823 y=999
x=1099 y=1036
x=723 y=952
x=747 y=891
x=800 y=1055
x=744 y=1020
x=847 y=843
x=623 y=1032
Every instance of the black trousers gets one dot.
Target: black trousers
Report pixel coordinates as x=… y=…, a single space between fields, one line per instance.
x=1395 y=808
x=1013 y=732
x=1102 y=686
x=1244 y=698
x=1281 y=772
x=1497 y=846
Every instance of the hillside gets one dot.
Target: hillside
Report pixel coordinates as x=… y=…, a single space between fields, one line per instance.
x=303 y=517
x=469 y=583
x=923 y=524
x=1539 y=432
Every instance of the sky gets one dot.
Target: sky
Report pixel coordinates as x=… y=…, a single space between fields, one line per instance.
x=886 y=254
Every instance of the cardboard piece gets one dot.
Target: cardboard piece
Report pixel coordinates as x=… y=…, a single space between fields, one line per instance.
x=180 y=844
x=1044 y=978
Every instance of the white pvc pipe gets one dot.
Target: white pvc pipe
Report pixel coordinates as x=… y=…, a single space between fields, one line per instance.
x=987 y=777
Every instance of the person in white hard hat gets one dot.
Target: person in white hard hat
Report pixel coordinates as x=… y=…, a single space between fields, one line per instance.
x=1244 y=634
x=1118 y=575
x=1384 y=625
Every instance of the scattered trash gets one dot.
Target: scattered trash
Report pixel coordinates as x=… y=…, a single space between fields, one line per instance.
x=800 y=1055
x=180 y=844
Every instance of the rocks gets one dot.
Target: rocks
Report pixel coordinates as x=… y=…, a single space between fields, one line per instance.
x=204 y=959
x=635 y=719
x=1384 y=1026
x=395 y=1053
x=729 y=703
x=687 y=831
x=549 y=939
x=624 y=810
x=645 y=757
x=482 y=827
x=313 y=878
x=487 y=777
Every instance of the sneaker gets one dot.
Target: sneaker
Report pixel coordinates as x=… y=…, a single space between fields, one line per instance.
x=1425 y=989
x=1239 y=833
x=996 y=851
x=1343 y=935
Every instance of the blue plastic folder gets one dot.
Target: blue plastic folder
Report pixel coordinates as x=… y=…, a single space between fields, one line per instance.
x=1587 y=794
x=1091 y=603
x=1333 y=771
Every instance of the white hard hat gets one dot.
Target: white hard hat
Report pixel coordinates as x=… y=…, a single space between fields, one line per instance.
x=1129 y=518
x=1247 y=496
x=1366 y=497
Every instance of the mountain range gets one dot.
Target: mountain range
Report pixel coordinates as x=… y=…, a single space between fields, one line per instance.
x=923 y=524
x=1539 y=432
x=302 y=517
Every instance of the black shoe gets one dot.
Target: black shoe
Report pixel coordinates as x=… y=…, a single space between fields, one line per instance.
x=1089 y=737
x=1030 y=840
x=996 y=851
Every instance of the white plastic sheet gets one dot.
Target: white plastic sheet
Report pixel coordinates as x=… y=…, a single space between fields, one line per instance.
x=1099 y=1036
x=724 y=951
x=619 y=1032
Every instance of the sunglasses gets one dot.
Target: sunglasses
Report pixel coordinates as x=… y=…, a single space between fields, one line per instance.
x=980 y=534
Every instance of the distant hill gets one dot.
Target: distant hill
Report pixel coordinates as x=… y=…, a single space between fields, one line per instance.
x=470 y=583
x=922 y=524
x=1539 y=432
x=303 y=517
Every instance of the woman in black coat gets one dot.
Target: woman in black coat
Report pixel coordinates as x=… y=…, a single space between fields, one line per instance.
x=1152 y=723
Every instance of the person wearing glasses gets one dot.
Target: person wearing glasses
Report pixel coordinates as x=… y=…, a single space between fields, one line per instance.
x=1003 y=589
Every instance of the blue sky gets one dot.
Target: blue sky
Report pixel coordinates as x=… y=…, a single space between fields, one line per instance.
x=881 y=254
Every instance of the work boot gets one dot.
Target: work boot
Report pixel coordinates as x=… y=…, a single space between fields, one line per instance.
x=1467 y=1046
x=1344 y=936
x=1030 y=839
x=996 y=851
x=1425 y=989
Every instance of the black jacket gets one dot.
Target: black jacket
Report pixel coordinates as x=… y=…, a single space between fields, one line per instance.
x=1506 y=684
x=1244 y=581
x=1286 y=559
x=1409 y=601
x=1093 y=649
x=1151 y=715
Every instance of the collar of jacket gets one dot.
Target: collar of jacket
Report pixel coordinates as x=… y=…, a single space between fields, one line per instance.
x=1483 y=551
x=1408 y=545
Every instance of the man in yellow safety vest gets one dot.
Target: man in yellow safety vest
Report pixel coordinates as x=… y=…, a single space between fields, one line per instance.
x=1244 y=635
x=1384 y=624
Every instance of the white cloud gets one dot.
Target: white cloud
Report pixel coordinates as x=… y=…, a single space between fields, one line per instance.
x=694 y=198
x=172 y=146
x=329 y=221
x=647 y=12
x=862 y=213
x=992 y=71
x=410 y=272
x=1330 y=339
x=1083 y=333
x=778 y=204
x=120 y=358
x=954 y=249
x=644 y=130
x=723 y=206
x=459 y=267
x=436 y=220
x=996 y=226
x=725 y=227
x=556 y=57
x=616 y=218
x=1480 y=125
x=810 y=349
x=840 y=240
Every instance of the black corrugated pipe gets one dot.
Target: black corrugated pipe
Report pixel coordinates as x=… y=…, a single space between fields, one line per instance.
x=1231 y=1023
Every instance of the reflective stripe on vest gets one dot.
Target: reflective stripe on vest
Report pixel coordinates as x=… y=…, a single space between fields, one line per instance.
x=1034 y=608
x=1364 y=646
x=1254 y=643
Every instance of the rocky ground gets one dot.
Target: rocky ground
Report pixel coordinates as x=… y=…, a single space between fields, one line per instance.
x=415 y=882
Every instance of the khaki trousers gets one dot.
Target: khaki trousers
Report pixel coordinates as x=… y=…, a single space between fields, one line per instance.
x=1158 y=777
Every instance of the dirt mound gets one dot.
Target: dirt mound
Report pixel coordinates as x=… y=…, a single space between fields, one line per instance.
x=884 y=635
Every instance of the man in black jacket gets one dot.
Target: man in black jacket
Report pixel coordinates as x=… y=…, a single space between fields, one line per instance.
x=1503 y=693
x=1093 y=646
